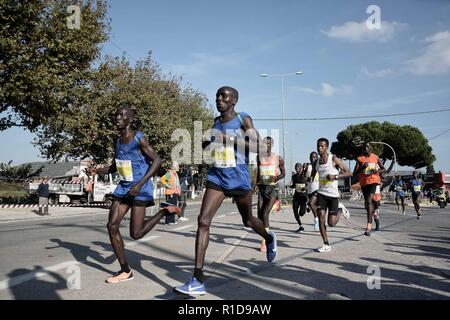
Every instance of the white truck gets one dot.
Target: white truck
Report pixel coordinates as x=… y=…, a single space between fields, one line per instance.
x=76 y=190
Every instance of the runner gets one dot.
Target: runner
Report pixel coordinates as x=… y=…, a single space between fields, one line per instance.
x=368 y=169
x=135 y=190
x=417 y=185
x=330 y=168
x=171 y=182
x=300 y=196
x=399 y=187
x=229 y=177
x=270 y=170
x=313 y=186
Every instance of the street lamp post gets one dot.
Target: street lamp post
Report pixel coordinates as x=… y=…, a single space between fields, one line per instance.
x=393 y=151
x=282 y=76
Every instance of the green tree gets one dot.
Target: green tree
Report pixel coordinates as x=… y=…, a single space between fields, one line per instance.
x=8 y=172
x=44 y=64
x=411 y=147
x=161 y=104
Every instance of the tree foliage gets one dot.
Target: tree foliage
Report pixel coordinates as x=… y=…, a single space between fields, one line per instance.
x=161 y=103
x=411 y=147
x=44 y=65
x=8 y=172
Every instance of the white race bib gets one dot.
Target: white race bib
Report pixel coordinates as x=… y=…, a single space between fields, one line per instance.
x=325 y=184
x=224 y=157
x=125 y=170
x=300 y=187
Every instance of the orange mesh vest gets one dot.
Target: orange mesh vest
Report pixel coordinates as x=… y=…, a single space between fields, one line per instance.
x=367 y=176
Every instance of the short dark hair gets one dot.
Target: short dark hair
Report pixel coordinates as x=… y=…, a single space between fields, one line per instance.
x=314 y=152
x=324 y=140
x=128 y=110
x=233 y=90
x=268 y=138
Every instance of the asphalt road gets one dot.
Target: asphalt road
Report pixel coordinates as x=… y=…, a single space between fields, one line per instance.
x=68 y=256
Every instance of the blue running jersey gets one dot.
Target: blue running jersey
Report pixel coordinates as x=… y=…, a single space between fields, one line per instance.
x=132 y=166
x=230 y=170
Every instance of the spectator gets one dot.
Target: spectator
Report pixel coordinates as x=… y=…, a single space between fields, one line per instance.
x=43 y=193
x=185 y=184
x=172 y=184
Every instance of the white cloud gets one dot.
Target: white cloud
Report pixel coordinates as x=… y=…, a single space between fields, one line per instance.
x=359 y=32
x=435 y=57
x=376 y=74
x=327 y=90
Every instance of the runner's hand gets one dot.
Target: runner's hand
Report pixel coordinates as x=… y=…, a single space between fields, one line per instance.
x=134 y=191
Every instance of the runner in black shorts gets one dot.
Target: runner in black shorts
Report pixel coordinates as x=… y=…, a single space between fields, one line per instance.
x=300 y=196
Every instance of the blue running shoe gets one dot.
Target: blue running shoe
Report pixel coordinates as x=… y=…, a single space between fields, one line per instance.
x=272 y=248
x=193 y=288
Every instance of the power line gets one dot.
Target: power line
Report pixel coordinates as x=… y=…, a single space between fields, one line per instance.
x=440 y=134
x=356 y=117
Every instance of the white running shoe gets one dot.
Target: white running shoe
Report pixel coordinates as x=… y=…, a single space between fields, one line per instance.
x=345 y=211
x=324 y=248
x=183 y=219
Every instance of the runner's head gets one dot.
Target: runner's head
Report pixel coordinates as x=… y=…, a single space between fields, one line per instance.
x=268 y=143
x=226 y=98
x=175 y=166
x=313 y=157
x=322 y=146
x=367 y=149
x=415 y=174
x=298 y=168
x=125 y=116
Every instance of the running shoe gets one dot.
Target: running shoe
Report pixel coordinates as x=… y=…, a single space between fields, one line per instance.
x=272 y=248
x=324 y=248
x=316 y=225
x=193 y=288
x=183 y=219
x=367 y=232
x=345 y=212
x=300 y=230
x=120 y=277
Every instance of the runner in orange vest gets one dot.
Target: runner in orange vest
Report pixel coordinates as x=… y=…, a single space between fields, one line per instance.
x=270 y=170
x=369 y=178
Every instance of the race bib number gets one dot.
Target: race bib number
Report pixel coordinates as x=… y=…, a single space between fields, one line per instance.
x=417 y=188
x=125 y=170
x=371 y=167
x=224 y=157
x=325 y=184
x=300 y=187
x=267 y=170
x=398 y=188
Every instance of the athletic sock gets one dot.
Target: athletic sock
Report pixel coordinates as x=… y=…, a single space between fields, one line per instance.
x=124 y=268
x=326 y=242
x=267 y=229
x=369 y=226
x=198 y=274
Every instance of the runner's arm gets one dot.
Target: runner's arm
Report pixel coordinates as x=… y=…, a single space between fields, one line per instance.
x=381 y=166
x=344 y=172
x=282 y=170
x=257 y=169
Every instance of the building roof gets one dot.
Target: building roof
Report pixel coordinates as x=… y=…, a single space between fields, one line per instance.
x=53 y=170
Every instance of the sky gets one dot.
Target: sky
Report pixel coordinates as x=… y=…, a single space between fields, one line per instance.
x=351 y=66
